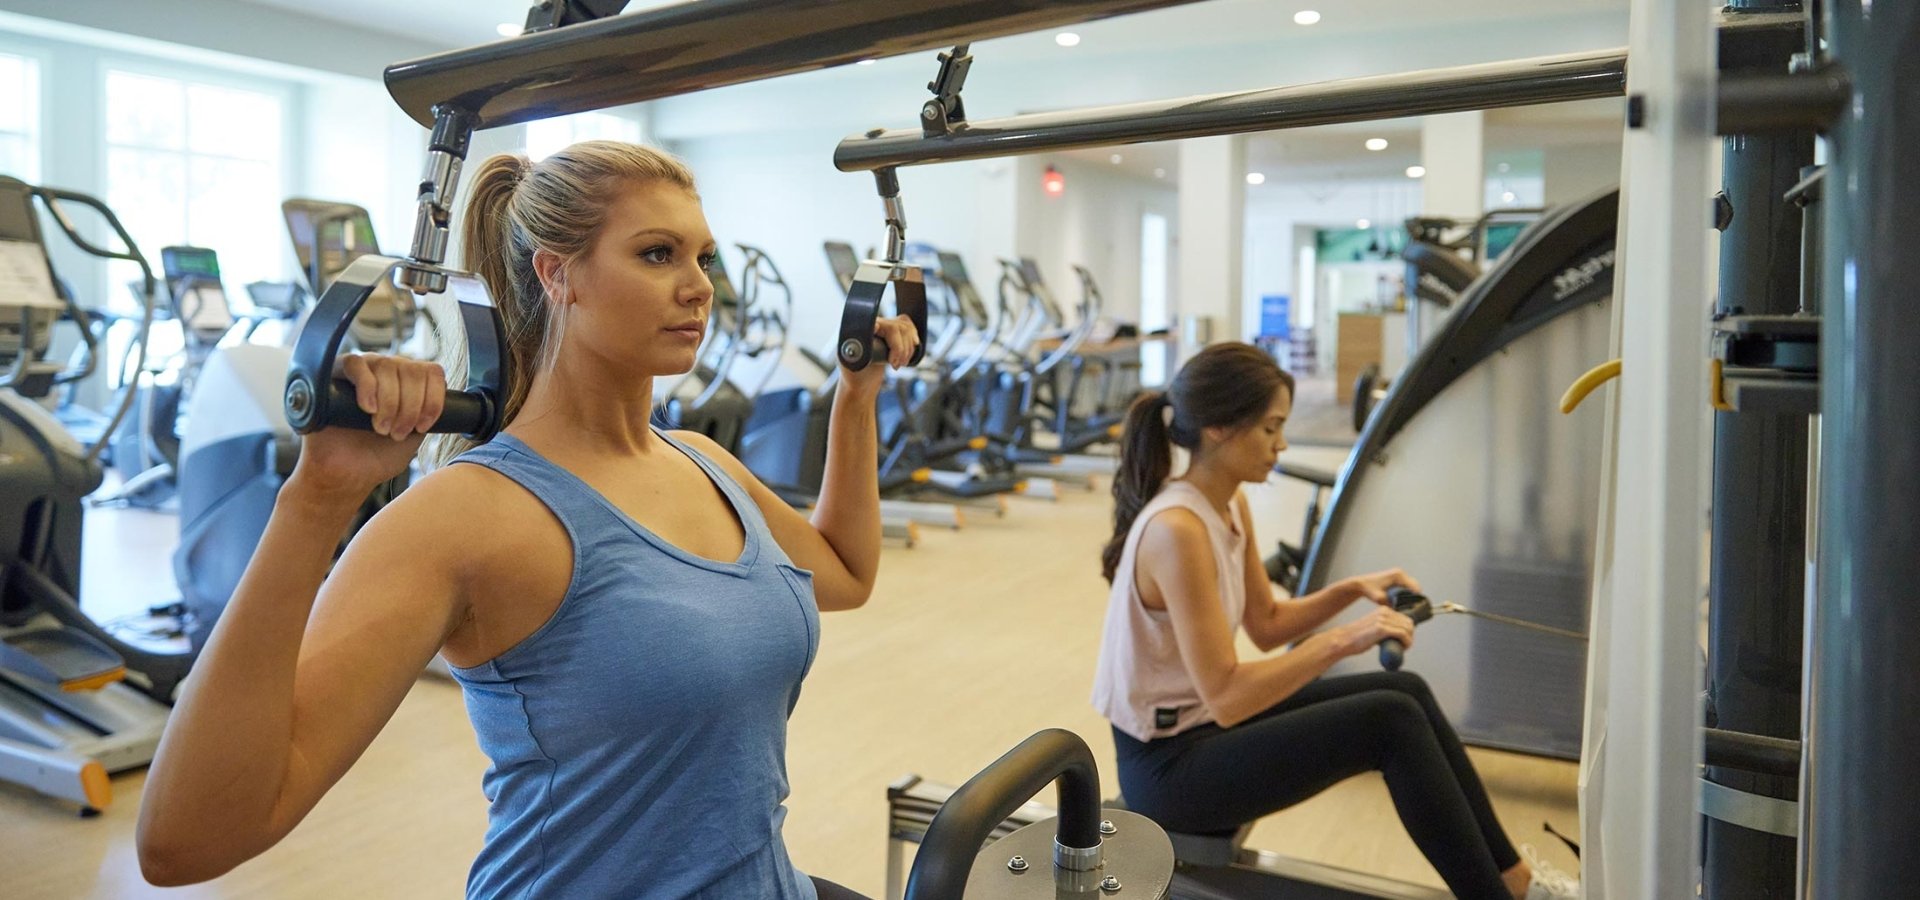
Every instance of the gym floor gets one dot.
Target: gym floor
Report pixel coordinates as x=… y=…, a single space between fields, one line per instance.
x=972 y=641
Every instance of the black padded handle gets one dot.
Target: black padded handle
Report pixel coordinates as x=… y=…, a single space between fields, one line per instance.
x=1416 y=606
x=466 y=412
x=315 y=399
x=858 y=347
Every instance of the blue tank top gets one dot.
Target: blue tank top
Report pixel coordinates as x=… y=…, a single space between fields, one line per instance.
x=638 y=738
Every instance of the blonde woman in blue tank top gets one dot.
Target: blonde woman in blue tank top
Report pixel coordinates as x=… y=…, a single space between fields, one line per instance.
x=629 y=612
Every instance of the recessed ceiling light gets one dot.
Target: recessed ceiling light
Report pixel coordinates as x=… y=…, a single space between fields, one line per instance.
x=1363 y=224
x=866 y=62
x=1376 y=144
x=1507 y=197
x=1416 y=171
x=1256 y=178
x=1306 y=17
x=507 y=29
x=1116 y=159
x=1067 y=39
x=1159 y=173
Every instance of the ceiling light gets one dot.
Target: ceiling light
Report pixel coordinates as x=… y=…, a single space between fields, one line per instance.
x=1256 y=178
x=1306 y=17
x=1507 y=197
x=1416 y=171
x=507 y=29
x=1115 y=159
x=1376 y=144
x=1067 y=39
x=1363 y=224
x=1159 y=173
x=866 y=62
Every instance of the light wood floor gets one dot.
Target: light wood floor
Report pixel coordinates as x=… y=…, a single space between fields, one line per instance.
x=972 y=641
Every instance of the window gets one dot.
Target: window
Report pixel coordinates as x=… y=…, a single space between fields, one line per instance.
x=191 y=163
x=20 y=118
x=546 y=136
x=1153 y=292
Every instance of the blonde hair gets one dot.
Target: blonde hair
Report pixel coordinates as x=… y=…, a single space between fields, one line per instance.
x=515 y=208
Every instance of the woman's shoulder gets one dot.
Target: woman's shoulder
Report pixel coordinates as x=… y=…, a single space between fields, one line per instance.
x=1173 y=532
x=463 y=504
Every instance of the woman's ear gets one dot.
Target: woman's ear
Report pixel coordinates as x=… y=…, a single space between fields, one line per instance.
x=552 y=271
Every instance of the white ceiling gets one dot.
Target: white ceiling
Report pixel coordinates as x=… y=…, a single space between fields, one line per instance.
x=458 y=23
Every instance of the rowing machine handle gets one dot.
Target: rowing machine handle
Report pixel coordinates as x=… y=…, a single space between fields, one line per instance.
x=1415 y=606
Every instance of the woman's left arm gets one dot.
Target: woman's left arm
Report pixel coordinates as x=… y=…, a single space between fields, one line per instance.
x=841 y=544
x=1273 y=623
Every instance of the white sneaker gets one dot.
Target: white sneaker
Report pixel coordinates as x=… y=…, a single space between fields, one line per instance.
x=1549 y=883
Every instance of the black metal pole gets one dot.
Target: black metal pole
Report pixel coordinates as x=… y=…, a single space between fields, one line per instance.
x=1756 y=595
x=1864 y=794
x=1546 y=79
x=689 y=47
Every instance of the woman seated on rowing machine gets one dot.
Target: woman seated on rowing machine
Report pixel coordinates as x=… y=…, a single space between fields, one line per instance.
x=1208 y=742
x=628 y=611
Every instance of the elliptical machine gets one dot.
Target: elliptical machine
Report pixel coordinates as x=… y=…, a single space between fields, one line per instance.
x=76 y=703
x=147 y=455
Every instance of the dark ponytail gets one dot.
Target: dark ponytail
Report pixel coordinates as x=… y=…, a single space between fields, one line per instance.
x=1146 y=458
x=1227 y=385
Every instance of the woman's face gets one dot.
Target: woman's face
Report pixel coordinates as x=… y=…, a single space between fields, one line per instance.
x=641 y=294
x=1250 y=452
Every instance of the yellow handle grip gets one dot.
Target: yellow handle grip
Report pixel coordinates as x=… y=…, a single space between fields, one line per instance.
x=1585 y=384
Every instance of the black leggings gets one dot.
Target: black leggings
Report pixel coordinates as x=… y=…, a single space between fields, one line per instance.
x=1214 y=780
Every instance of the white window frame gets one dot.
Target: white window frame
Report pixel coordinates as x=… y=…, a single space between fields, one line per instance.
x=37 y=138
x=288 y=162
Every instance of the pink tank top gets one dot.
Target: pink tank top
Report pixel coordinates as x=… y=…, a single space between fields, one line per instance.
x=1141 y=684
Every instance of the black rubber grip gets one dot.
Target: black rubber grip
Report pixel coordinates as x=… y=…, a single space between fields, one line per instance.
x=466 y=412
x=1393 y=654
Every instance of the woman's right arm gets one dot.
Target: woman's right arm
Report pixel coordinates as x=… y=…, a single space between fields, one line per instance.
x=1176 y=556
x=299 y=675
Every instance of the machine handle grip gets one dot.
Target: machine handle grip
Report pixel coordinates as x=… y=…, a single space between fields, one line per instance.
x=466 y=412
x=968 y=818
x=1415 y=606
x=1393 y=654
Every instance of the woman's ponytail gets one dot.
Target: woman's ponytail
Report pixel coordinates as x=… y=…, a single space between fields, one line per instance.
x=1223 y=386
x=516 y=208
x=1146 y=459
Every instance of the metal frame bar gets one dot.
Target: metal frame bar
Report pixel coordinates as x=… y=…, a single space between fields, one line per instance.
x=1861 y=698
x=1643 y=743
x=1546 y=79
x=689 y=47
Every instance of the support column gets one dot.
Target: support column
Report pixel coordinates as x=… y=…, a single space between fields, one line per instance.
x=1213 y=202
x=1864 y=693
x=1756 y=589
x=1453 y=150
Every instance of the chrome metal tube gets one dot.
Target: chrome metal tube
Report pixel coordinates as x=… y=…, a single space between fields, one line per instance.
x=1546 y=79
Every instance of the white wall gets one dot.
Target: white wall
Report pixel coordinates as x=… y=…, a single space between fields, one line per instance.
x=1096 y=224
x=1276 y=209
x=1576 y=172
x=358 y=147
